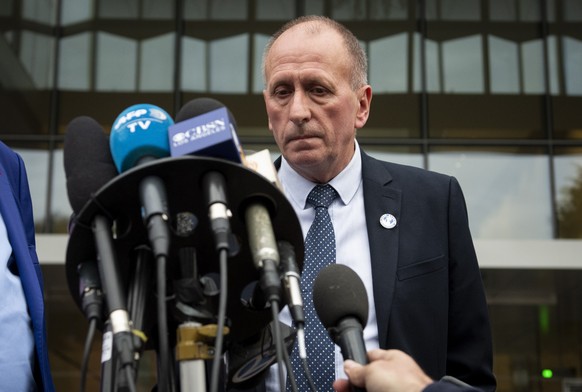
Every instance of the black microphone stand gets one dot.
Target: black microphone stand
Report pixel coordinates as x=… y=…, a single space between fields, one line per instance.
x=126 y=239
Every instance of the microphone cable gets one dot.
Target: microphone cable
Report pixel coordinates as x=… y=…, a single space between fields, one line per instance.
x=223 y=256
x=163 y=344
x=86 y=352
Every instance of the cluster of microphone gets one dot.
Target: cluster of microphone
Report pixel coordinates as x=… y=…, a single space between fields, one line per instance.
x=150 y=155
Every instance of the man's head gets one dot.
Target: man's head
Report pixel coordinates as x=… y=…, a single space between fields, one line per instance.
x=316 y=94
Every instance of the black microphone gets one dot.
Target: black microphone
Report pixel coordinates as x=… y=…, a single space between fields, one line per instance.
x=341 y=302
x=87 y=161
x=205 y=127
x=90 y=290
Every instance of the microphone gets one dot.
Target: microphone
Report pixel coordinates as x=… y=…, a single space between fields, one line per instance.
x=140 y=135
x=205 y=127
x=90 y=290
x=87 y=161
x=341 y=303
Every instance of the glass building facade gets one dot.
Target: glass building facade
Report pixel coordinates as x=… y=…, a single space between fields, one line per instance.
x=489 y=91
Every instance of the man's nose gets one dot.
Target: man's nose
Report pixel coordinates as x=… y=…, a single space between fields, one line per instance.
x=299 y=112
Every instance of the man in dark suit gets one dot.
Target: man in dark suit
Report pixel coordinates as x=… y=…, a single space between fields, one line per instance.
x=404 y=230
x=23 y=343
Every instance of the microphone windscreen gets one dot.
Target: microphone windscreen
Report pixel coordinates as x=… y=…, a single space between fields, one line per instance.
x=338 y=292
x=205 y=127
x=87 y=160
x=139 y=132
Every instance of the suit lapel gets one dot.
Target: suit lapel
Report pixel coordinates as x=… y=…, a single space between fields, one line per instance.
x=380 y=199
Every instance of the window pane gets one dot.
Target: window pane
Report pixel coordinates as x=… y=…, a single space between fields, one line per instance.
x=433 y=81
x=388 y=64
x=157 y=64
x=572 y=49
x=568 y=171
x=41 y=11
x=275 y=9
x=116 y=9
x=194 y=72
x=260 y=41
x=463 y=65
x=37 y=56
x=388 y=10
x=229 y=64
x=348 y=10
x=502 y=10
x=75 y=11
x=533 y=66
x=156 y=9
x=410 y=156
x=503 y=66
x=36 y=162
x=507 y=194
x=60 y=207
x=572 y=10
x=74 y=64
x=116 y=63
x=460 y=10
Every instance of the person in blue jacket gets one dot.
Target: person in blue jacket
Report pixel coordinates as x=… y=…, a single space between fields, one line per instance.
x=395 y=371
x=24 y=361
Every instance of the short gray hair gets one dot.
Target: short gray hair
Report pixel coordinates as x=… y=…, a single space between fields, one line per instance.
x=357 y=54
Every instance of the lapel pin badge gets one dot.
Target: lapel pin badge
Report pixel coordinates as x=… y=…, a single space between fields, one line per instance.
x=388 y=221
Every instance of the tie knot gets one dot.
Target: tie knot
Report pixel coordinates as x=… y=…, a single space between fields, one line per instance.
x=322 y=195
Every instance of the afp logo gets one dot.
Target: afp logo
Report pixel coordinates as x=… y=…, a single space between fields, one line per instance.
x=140 y=117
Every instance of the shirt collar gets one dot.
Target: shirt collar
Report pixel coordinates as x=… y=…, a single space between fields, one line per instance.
x=346 y=183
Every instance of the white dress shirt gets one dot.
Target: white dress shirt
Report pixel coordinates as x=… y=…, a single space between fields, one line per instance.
x=16 y=339
x=352 y=247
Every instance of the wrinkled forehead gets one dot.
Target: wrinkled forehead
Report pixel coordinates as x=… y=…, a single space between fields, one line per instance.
x=300 y=47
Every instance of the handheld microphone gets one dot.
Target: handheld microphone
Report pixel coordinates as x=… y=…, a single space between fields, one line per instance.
x=341 y=303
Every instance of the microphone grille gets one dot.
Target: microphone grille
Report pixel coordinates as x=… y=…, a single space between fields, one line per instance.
x=338 y=292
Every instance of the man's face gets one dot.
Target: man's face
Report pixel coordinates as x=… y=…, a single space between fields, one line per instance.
x=312 y=109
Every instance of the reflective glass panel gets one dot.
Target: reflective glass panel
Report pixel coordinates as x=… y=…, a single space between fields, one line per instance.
x=116 y=63
x=275 y=9
x=75 y=11
x=37 y=57
x=388 y=65
x=74 y=64
x=40 y=11
x=194 y=72
x=229 y=64
x=36 y=162
x=507 y=194
x=568 y=172
x=157 y=63
x=503 y=66
x=572 y=63
x=463 y=65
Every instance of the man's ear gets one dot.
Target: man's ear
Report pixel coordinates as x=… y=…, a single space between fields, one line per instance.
x=365 y=101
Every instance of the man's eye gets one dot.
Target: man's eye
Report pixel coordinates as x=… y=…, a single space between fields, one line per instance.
x=318 y=91
x=281 y=92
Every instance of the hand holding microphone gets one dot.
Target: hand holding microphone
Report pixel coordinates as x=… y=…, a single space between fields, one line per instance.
x=341 y=302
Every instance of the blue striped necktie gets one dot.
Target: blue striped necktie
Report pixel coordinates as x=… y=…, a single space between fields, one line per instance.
x=319 y=252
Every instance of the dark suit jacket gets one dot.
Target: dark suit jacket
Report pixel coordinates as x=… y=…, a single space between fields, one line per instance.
x=16 y=209
x=428 y=292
